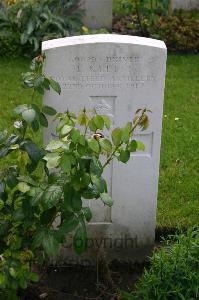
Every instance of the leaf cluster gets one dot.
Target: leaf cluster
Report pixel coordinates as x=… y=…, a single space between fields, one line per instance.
x=35 y=21
x=173 y=273
x=71 y=174
x=155 y=19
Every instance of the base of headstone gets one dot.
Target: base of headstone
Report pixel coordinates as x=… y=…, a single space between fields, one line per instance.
x=90 y=258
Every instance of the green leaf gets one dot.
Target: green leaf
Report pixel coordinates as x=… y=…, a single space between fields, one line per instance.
x=84 y=164
x=13 y=139
x=55 y=86
x=48 y=216
x=43 y=120
x=76 y=183
x=27 y=179
x=50 y=244
x=92 y=125
x=90 y=193
x=65 y=162
x=18 y=215
x=23 y=187
x=87 y=213
x=82 y=119
x=35 y=125
x=46 y=84
x=3 y=280
x=12 y=272
x=36 y=196
x=105 y=144
x=132 y=146
x=29 y=115
x=36 y=108
x=33 y=151
x=100 y=183
x=48 y=110
x=33 y=277
x=140 y=146
x=106 y=199
x=1 y=204
x=125 y=135
x=99 y=122
x=52 y=196
x=93 y=145
x=116 y=136
x=12 y=179
x=82 y=150
x=107 y=121
x=38 y=238
x=66 y=130
x=54 y=145
x=76 y=202
x=96 y=167
x=52 y=160
x=38 y=83
x=80 y=240
x=23 y=283
x=30 y=26
x=124 y=156
x=4 y=151
x=68 y=194
x=85 y=179
x=75 y=134
x=82 y=140
x=69 y=224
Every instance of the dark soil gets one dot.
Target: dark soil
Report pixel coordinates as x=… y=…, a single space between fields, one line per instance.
x=99 y=282
x=179 y=31
x=126 y=25
x=85 y=283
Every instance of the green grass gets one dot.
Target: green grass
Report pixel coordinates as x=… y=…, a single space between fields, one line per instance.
x=11 y=91
x=178 y=200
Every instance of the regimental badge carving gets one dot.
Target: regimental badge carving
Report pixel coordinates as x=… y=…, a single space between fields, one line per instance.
x=104 y=105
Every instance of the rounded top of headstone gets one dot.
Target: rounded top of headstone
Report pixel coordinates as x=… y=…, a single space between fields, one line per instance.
x=102 y=38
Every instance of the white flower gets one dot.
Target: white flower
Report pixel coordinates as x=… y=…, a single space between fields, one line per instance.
x=177 y=119
x=18 y=124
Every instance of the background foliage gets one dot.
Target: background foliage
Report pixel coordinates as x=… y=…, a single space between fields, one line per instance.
x=25 y=24
x=70 y=174
x=179 y=29
x=173 y=273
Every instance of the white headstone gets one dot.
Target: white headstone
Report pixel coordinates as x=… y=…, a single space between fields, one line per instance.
x=98 y=13
x=185 y=4
x=116 y=75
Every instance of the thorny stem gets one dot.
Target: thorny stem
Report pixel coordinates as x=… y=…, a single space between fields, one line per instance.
x=33 y=94
x=137 y=122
